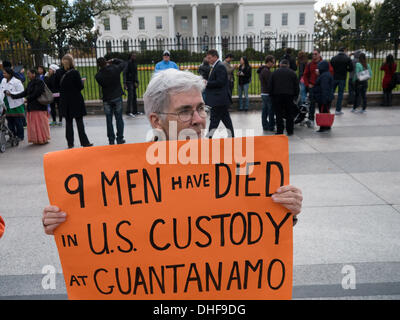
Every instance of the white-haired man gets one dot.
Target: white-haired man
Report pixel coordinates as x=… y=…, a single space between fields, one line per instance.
x=174 y=96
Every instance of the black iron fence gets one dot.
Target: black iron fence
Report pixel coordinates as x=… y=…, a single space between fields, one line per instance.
x=189 y=53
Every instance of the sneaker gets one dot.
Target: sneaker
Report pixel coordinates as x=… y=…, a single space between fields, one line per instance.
x=338 y=113
x=363 y=111
x=121 y=142
x=52 y=124
x=353 y=110
x=310 y=124
x=132 y=115
x=59 y=124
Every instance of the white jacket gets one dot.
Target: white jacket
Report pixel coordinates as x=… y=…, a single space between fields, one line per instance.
x=15 y=86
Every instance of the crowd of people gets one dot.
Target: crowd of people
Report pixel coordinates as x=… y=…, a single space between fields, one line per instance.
x=286 y=85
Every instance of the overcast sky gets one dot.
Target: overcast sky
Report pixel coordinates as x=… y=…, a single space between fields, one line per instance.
x=321 y=3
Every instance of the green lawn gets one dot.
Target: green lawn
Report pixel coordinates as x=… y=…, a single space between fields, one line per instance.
x=91 y=91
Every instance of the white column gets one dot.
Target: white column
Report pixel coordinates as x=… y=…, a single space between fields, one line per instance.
x=195 y=31
x=218 y=19
x=171 y=21
x=240 y=20
x=194 y=20
x=218 y=28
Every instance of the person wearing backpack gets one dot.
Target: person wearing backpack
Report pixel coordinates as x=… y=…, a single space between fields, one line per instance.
x=362 y=74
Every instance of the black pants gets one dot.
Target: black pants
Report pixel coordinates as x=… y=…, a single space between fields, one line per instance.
x=361 y=94
x=69 y=131
x=132 y=99
x=16 y=126
x=284 y=107
x=311 y=111
x=220 y=113
x=54 y=106
x=352 y=92
x=387 y=97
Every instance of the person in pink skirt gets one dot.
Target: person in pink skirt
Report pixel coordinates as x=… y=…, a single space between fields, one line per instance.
x=37 y=114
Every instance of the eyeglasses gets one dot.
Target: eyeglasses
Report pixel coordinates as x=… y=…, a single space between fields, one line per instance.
x=187 y=115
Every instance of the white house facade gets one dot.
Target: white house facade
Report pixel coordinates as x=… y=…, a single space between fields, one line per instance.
x=167 y=19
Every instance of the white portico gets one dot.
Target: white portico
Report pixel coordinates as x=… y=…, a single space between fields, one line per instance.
x=165 y=19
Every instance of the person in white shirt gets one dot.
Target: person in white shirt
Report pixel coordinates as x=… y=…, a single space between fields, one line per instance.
x=15 y=107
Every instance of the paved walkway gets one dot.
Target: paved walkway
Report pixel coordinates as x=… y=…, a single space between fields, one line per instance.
x=351 y=184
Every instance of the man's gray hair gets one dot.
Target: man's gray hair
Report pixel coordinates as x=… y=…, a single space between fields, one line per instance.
x=164 y=83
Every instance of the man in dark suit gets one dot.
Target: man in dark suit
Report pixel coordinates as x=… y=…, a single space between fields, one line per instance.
x=284 y=89
x=217 y=94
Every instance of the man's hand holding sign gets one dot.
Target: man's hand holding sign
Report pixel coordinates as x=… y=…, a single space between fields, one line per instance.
x=204 y=227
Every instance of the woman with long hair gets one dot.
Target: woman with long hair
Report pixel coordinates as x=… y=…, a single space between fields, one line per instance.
x=72 y=105
x=244 y=75
x=360 y=79
x=389 y=67
x=37 y=115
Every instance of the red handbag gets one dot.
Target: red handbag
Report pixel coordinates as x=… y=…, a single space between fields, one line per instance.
x=324 y=119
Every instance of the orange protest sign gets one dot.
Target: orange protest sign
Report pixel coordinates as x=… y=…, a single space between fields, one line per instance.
x=174 y=220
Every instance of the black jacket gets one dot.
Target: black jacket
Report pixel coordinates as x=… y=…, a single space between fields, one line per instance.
x=50 y=82
x=204 y=70
x=246 y=78
x=341 y=64
x=217 y=90
x=284 y=81
x=292 y=61
x=109 y=78
x=131 y=73
x=72 y=104
x=57 y=79
x=323 y=89
x=265 y=77
x=32 y=92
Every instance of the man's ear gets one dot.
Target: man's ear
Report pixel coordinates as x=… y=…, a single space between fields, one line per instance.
x=155 y=121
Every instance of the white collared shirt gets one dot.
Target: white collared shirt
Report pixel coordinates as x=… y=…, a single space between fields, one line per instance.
x=15 y=86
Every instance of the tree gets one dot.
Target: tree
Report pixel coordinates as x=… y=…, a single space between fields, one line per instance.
x=387 y=23
x=330 y=33
x=21 y=20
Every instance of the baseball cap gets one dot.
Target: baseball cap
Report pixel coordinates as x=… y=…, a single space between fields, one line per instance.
x=166 y=53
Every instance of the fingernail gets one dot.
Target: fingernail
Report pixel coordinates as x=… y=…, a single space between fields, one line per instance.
x=63 y=214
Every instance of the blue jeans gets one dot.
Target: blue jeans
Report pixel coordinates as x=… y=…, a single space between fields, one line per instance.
x=268 y=114
x=303 y=93
x=244 y=88
x=114 y=107
x=341 y=84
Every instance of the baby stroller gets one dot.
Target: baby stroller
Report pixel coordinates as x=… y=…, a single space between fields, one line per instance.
x=301 y=114
x=4 y=131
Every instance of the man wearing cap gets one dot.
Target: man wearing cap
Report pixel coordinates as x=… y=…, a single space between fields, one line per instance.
x=166 y=63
